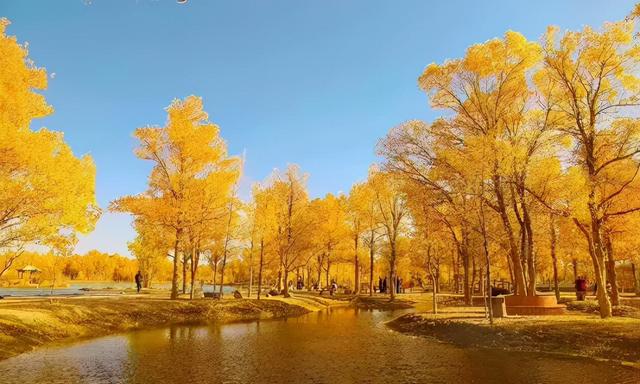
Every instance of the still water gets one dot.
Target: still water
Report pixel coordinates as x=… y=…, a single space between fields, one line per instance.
x=101 y=288
x=342 y=345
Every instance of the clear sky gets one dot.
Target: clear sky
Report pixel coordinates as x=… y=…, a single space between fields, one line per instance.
x=312 y=82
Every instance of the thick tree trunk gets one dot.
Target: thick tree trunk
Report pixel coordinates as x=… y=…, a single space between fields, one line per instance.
x=636 y=286
x=464 y=255
x=285 y=291
x=195 y=259
x=327 y=271
x=319 y=275
x=612 y=276
x=520 y=287
x=596 y=252
x=531 y=257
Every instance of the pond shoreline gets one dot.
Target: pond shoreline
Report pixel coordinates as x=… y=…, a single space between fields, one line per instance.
x=615 y=340
x=26 y=324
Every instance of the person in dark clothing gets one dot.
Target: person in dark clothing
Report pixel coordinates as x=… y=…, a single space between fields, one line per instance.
x=138 y=281
x=384 y=285
x=581 y=288
x=380 y=284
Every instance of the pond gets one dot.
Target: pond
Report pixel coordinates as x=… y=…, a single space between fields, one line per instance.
x=94 y=288
x=343 y=345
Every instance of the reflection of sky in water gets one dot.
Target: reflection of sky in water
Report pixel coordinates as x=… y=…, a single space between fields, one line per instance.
x=76 y=288
x=335 y=346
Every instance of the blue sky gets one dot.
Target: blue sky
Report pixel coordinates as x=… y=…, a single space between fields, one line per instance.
x=312 y=82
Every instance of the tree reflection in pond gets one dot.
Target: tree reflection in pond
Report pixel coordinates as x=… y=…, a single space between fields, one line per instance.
x=336 y=346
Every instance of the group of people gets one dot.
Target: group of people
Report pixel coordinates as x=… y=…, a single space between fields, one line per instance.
x=383 y=288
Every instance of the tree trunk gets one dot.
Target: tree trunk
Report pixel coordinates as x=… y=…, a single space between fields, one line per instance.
x=520 y=287
x=260 y=267
x=531 y=257
x=250 y=269
x=285 y=291
x=435 y=300
x=195 y=259
x=184 y=272
x=222 y=267
x=174 y=276
x=554 y=257
x=596 y=252
x=327 y=271
x=371 y=269
x=612 y=276
x=464 y=255
x=356 y=265
x=319 y=276
x=215 y=274
x=392 y=270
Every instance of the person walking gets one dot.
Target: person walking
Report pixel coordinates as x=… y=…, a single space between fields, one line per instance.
x=384 y=285
x=379 y=284
x=138 y=279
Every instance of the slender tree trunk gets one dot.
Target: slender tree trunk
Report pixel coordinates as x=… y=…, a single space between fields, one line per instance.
x=488 y=261
x=227 y=237
x=434 y=297
x=554 y=257
x=392 y=269
x=260 y=267
x=327 y=271
x=250 y=269
x=215 y=274
x=184 y=272
x=356 y=265
x=222 y=267
x=574 y=263
x=371 y=254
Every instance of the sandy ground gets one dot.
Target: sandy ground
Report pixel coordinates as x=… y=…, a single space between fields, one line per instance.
x=576 y=333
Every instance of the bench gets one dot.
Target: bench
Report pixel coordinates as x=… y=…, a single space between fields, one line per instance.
x=213 y=295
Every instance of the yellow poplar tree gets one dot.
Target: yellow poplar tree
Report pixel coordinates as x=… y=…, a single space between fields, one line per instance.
x=45 y=191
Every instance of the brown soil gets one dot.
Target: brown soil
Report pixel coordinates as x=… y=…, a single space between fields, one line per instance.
x=616 y=339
